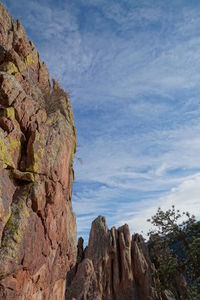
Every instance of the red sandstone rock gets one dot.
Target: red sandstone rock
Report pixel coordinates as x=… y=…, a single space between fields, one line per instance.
x=37 y=144
x=84 y=284
x=115 y=266
x=122 y=268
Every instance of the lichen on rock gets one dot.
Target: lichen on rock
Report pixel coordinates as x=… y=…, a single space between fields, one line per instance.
x=37 y=144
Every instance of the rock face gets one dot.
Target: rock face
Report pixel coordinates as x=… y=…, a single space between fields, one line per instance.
x=113 y=266
x=116 y=266
x=37 y=144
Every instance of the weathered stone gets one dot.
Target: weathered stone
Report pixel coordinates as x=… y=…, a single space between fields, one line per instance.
x=122 y=270
x=84 y=285
x=10 y=89
x=143 y=269
x=115 y=266
x=37 y=224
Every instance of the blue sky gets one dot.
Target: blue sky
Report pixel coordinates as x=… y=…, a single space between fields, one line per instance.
x=132 y=69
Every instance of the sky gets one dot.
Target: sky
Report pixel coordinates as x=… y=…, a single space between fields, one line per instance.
x=132 y=69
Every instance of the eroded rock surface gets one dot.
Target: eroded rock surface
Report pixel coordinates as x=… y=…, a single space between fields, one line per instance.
x=116 y=266
x=120 y=268
x=37 y=145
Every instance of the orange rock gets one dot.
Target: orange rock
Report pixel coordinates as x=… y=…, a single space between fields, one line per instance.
x=37 y=144
x=119 y=268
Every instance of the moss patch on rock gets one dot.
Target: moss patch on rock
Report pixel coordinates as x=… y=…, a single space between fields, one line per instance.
x=11 y=68
x=15 y=227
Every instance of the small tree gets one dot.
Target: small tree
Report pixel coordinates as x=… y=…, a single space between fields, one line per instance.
x=175 y=246
x=168 y=223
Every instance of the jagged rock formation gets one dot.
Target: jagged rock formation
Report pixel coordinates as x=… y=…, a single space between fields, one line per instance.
x=37 y=144
x=115 y=266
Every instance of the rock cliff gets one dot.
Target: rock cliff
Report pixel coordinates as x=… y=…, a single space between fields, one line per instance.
x=116 y=266
x=113 y=266
x=37 y=145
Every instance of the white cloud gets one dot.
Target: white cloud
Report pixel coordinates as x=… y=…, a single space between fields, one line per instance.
x=129 y=173
x=185 y=197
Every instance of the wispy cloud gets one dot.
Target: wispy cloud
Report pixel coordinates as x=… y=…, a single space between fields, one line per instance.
x=185 y=197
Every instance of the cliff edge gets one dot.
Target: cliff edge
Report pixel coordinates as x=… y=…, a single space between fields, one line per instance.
x=37 y=145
